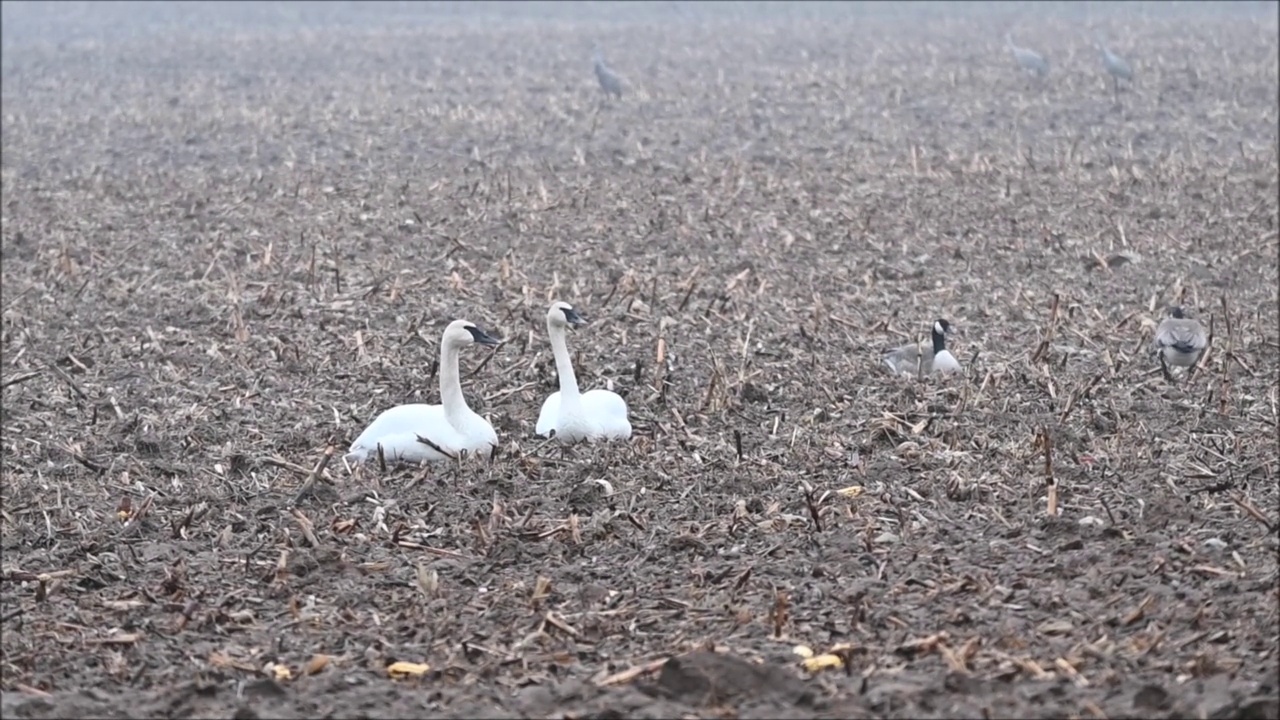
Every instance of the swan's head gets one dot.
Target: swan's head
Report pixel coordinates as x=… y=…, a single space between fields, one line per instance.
x=462 y=333
x=562 y=315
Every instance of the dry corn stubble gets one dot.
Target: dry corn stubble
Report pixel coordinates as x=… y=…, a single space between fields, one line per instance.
x=227 y=247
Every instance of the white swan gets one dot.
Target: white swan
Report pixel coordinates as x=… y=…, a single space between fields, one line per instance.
x=452 y=425
x=574 y=416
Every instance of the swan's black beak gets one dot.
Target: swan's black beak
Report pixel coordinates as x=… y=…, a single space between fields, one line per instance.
x=572 y=317
x=481 y=337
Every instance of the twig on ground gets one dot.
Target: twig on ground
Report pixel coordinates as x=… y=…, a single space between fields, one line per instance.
x=310 y=482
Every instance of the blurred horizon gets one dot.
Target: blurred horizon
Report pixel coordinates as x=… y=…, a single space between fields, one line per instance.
x=24 y=22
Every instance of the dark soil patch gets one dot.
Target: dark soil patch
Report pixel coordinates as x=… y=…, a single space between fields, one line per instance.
x=232 y=236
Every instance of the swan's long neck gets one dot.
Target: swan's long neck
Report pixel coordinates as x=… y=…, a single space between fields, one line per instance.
x=564 y=366
x=450 y=384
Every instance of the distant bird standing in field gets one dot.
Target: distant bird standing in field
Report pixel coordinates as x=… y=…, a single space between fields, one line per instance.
x=610 y=83
x=1029 y=60
x=1116 y=66
x=1179 y=340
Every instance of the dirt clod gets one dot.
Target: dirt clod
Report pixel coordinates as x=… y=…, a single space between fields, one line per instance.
x=707 y=679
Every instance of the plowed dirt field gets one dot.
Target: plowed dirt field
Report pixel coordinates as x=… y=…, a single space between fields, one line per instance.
x=232 y=234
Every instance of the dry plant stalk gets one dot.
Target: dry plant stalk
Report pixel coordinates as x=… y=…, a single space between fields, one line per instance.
x=660 y=358
x=431 y=444
x=1138 y=612
x=541 y=591
x=282 y=566
x=428 y=581
x=316 y=472
x=307 y=528
x=626 y=676
x=781 y=612
x=711 y=388
x=1252 y=511
x=1075 y=397
x=1049 y=332
x=815 y=512
x=1044 y=441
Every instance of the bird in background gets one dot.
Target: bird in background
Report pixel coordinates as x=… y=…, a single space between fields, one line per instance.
x=610 y=83
x=1029 y=60
x=1117 y=67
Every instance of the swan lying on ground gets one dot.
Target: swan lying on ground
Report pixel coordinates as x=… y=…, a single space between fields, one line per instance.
x=908 y=359
x=452 y=425
x=575 y=416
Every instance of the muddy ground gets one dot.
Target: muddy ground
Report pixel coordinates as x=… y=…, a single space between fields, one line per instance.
x=232 y=236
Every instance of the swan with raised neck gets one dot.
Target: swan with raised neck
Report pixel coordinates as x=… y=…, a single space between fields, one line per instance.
x=573 y=415
x=452 y=425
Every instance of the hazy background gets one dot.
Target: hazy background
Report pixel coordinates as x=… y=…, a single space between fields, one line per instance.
x=57 y=22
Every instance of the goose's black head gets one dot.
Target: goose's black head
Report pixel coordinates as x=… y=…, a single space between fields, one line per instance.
x=941 y=329
x=1177 y=312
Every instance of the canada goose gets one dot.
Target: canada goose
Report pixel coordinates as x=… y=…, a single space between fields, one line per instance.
x=452 y=425
x=909 y=359
x=574 y=416
x=1179 y=340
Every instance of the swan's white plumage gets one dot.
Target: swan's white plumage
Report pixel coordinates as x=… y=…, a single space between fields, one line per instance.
x=603 y=416
x=452 y=425
x=576 y=416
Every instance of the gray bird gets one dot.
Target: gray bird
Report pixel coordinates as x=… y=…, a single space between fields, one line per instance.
x=1029 y=60
x=1179 y=340
x=610 y=83
x=909 y=359
x=1116 y=66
